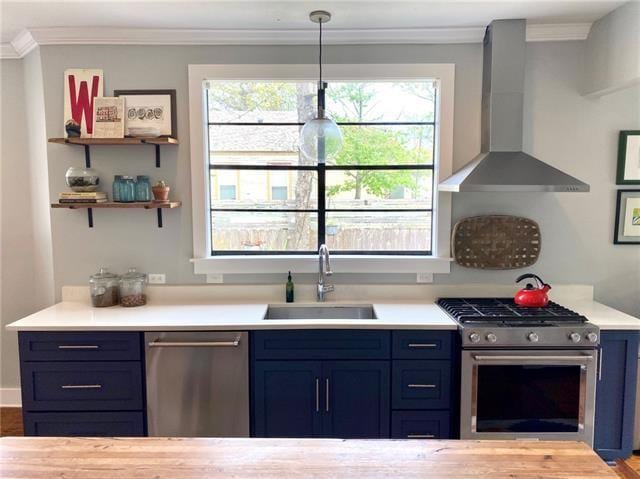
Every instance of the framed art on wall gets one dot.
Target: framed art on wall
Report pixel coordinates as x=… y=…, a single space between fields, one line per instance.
x=108 y=117
x=629 y=158
x=627 y=226
x=152 y=111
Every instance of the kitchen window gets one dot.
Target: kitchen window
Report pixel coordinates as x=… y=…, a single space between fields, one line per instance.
x=377 y=198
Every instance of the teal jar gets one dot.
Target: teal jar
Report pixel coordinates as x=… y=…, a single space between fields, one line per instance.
x=143 y=188
x=117 y=181
x=127 y=190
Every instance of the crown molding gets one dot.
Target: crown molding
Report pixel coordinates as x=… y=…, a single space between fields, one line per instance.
x=7 y=52
x=27 y=40
x=557 y=32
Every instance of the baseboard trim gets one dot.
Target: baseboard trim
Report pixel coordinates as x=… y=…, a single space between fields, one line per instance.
x=10 y=397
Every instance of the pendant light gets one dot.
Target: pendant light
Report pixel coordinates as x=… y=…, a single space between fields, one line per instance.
x=320 y=138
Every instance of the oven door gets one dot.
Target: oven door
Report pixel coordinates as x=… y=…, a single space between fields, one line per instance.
x=528 y=395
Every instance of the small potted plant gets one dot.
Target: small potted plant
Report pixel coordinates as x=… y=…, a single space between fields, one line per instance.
x=161 y=191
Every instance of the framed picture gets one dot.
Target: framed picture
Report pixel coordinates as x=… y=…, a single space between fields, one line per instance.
x=150 y=109
x=81 y=87
x=627 y=227
x=108 y=117
x=629 y=158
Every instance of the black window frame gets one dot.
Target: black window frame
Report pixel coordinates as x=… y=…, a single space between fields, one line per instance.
x=321 y=170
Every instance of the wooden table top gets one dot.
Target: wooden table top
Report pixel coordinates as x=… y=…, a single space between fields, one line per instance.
x=176 y=458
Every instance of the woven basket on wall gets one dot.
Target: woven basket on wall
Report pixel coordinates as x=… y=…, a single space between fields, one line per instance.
x=496 y=242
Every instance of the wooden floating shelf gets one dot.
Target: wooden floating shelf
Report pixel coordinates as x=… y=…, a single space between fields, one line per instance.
x=115 y=141
x=147 y=205
x=109 y=204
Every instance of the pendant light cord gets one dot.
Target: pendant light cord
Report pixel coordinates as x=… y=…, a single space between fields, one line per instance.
x=320 y=52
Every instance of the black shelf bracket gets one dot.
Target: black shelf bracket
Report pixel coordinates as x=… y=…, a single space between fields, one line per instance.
x=157 y=151
x=90 y=217
x=87 y=156
x=159 y=217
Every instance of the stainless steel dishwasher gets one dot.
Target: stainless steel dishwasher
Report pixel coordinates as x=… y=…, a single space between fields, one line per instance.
x=197 y=384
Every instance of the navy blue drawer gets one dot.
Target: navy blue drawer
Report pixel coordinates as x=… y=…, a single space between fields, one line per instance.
x=421 y=385
x=321 y=344
x=423 y=344
x=420 y=425
x=87 y=424
x=76 y=386
x=80 y=346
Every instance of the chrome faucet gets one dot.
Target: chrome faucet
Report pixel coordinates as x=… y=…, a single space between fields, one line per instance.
x=324 y=269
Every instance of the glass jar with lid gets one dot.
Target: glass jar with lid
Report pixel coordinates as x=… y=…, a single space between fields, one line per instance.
x=127 y=189
x=104 y=288
x=133 y=288
x=143 y=188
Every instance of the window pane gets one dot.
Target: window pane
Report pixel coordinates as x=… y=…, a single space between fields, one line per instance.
x=260 y=101
x=381 y=101
x=392 y=231
x=374 y=189
x=269 y=231
x=265 y=189
x=386 y=145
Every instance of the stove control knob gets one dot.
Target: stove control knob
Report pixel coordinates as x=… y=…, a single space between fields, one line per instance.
x=592 y=337
x=533 y=337
x=492 y=338
x=474 y=337
x=574 y=337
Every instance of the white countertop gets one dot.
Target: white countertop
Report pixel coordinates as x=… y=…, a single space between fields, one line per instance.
x=71 y=316
x=76 y=316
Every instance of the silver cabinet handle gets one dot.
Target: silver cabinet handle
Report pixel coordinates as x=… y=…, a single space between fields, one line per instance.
x=422 y=345
x=420 y=436
x=600 y=364
x=326 y=407
x=81 y=386
x=82 y=346
x=195 y=344
x=421 y=386
x=532 y=358
x=317 y=395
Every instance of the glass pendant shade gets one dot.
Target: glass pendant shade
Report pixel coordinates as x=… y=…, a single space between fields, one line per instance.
x=320 y=140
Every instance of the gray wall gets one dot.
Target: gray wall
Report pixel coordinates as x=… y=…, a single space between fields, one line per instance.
x=26 y=276
x=569 y=131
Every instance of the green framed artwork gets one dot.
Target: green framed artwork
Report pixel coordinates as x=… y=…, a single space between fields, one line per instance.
x=629 y=158
x=627 y=226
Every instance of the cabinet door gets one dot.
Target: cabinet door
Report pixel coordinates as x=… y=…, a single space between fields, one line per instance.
x=615 y=394
x=356 y=399
x=286 y=399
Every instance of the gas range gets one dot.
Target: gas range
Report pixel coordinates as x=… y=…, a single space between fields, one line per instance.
x=499 y=323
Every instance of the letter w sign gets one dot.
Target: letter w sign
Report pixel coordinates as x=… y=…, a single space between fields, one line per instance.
x=80 y=88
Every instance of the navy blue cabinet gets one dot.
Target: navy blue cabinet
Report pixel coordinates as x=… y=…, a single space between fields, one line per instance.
x=615 y=394
x=356 y=399
x=286 y=399
x=353 y=383
x=82 y=383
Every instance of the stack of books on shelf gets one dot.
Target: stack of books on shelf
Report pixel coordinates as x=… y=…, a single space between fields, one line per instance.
x=83 y=197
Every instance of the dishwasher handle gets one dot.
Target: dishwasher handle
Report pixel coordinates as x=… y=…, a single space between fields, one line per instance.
x=195 y=344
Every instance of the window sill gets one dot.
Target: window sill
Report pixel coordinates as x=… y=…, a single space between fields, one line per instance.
x=239 y=264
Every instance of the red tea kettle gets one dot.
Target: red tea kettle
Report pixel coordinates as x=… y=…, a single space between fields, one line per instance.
x=530 y=296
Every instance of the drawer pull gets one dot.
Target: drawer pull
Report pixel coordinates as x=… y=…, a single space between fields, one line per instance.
x=422 y=386
x=420 y=436
x=422 y=345
x=81 y=386
x=81 y=346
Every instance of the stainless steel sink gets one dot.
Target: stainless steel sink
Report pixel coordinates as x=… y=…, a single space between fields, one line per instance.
x=320 y=312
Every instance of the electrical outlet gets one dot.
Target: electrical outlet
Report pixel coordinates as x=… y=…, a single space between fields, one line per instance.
x=157 y=278
x=424 y=278
x=215 y=278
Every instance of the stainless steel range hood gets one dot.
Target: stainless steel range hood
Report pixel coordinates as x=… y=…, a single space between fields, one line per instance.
x=502 y=165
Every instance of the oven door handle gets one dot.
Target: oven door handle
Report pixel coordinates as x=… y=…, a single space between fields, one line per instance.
x=576 y=358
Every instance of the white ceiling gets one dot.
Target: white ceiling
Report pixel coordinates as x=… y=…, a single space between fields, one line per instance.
x=288 y=14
